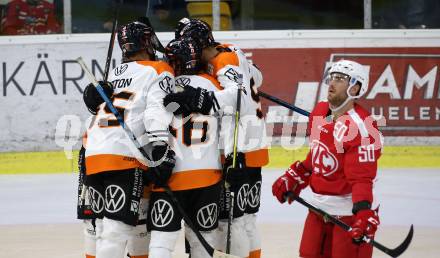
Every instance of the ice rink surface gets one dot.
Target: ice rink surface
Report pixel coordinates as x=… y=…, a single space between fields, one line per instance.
x=38 y=215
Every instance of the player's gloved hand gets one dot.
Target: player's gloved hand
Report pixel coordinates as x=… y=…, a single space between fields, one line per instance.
x=162 y=162
x=190 y=100
x=91 y=96
x=365 y=222
x=237 y=176
x=294 y=180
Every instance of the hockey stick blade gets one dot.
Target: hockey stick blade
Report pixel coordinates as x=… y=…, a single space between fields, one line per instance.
x=212 y=252
x=391 y=252
x=396 y=252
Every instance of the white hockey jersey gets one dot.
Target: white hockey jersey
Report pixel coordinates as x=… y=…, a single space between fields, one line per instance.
x=195 y=141
x=227 y=67
x=139 y=89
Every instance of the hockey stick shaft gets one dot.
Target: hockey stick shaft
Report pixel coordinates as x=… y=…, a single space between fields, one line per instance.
x=392 y=252
x=211 y=251
x=231 y=195
x=284 y=103
x=112 y=40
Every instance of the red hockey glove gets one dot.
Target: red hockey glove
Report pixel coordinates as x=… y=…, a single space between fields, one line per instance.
x=365 y=224
x=294 y=180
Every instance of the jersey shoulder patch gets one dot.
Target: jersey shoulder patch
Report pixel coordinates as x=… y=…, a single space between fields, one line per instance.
x=182 y=81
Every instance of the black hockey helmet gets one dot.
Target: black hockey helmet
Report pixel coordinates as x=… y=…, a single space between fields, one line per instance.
x=196 y=29
x=184 y=55
x=136 y=36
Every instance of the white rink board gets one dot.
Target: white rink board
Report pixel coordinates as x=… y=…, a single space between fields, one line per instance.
x=41 y=83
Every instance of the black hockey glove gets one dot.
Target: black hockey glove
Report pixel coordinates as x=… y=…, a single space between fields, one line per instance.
x=235 y=176
x=190 y=100
x=162 y=162
x=91 y=96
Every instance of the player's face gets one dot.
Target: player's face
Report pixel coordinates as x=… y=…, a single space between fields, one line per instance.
x=337 y=90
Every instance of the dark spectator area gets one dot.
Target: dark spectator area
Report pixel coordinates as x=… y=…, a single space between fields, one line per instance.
x=24 y=17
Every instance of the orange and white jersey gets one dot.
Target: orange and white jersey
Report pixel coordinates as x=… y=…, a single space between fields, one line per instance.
x=195 y=141
x=227 y=67
x=139 y=89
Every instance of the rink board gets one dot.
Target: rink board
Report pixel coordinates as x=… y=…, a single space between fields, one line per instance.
x=60 y=162
x=41 y=90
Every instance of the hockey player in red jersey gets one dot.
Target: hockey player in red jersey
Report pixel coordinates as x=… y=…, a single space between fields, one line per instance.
x=340 y=168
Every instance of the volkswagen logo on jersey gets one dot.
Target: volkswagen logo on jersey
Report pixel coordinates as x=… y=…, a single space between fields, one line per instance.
x=242 y=197
x=166 y=84
x=182 y=82
x=207 y=215
x=96 y=199
x=232 y=75
x=121 y=69
x=254 y=195
x=323 y=161
x=114 y=198
x=162 y=213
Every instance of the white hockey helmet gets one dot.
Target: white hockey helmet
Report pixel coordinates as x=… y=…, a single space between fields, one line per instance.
x=356 y=71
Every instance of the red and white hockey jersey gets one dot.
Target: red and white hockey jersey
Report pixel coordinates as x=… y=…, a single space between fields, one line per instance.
x=227 y=66
x=342 y=158
x=139 y=89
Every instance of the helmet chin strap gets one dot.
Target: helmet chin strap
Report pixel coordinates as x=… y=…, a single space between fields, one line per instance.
x=349 y=97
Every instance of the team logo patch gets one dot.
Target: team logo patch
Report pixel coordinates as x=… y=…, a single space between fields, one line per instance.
x=134 y=207
x=96 y=199
x=162 y=213
x=254 y=193
x=324 y=162
x=114 y=198
x=242 y=197
x=143 y=210
x=182 y=82
x=121 y=69
x=166 y=84
x=207 y=215
x=210 y=69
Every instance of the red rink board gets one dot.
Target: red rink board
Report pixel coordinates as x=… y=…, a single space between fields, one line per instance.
x=404 y=83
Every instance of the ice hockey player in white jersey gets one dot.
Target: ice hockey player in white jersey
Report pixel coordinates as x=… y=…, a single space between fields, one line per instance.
x=89 y=210
x=228 y=64
x=196 y=178
x=114 y=167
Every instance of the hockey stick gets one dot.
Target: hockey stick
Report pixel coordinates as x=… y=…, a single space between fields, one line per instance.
x=112 y=39
x=391 y=252
x=211 y=251
x=231 y=195
x=284 y=103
